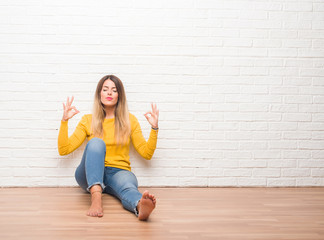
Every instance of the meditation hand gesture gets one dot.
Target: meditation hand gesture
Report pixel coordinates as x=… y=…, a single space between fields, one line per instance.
x=68 y=110
x=153 y=116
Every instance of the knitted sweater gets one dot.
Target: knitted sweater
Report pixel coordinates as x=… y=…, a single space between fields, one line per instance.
x=116 y=156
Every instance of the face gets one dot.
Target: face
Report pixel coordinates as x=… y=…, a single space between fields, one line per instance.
x=109 y=94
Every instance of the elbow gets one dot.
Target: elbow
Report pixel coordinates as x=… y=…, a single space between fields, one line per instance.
x=62 y=152
x=149 y=154
x=148 y=157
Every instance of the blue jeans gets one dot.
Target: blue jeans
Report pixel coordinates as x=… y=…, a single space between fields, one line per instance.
x=114 y=181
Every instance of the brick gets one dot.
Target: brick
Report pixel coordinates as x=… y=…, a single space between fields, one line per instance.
x=252 y=182
x=257 y=163
x=237 y=172
x=193 y=181
x=297 y=99
x=296 y=117
x=318 y=172
x=269 y=172
x=307 y=182
x=262 y=135
x=253 y=126
x=267 y=154
x=286 y=163
x=210 y=172
x=296 y=172
x=282 y=182
x=299 y=135
x=283 y=52
x=302 y=163
x=283 y=34
x=310 y=108
x=299 y=154
x=224 y=182
x=283 y=145
x=238 y=154
x=282 y=15
x=284 y=108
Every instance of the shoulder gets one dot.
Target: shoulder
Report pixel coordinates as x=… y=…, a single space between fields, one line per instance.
x=133 y=121
x=132 y=118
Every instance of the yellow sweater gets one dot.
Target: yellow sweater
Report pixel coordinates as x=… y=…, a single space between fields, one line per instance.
x=116 y=156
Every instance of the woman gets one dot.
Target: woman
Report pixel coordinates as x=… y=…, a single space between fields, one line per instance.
x=105 y=165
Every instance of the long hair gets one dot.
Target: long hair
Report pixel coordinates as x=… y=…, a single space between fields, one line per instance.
x=122 y=123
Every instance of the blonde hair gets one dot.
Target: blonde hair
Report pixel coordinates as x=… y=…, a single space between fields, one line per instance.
x=122 y=123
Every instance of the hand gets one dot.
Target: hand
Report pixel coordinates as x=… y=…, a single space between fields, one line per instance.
x=68 y=110
x=153 y=116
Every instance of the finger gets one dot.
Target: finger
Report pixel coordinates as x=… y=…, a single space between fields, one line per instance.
x=154 y=108
x=63 y=107
x=67 y=101
x=148 y=113
x=147 y=116
x=76 y=110
x=71 y=100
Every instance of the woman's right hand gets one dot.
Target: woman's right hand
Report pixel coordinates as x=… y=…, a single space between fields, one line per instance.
x=68 y=110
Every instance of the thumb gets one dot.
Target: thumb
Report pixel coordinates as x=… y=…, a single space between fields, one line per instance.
x=147 y=115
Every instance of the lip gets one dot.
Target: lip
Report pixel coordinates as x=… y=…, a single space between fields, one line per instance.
x=109 y=98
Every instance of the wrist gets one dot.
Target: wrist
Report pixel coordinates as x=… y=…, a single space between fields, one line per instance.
x=155 y=127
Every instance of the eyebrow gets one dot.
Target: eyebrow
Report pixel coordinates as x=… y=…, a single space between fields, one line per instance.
x=108 y=87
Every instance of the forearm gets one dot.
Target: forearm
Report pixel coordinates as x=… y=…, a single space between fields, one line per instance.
x=63 y=139
x=146 y=149
x=68 y=144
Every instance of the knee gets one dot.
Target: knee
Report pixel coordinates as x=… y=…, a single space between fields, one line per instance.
x=96 y=145
x=129 y=184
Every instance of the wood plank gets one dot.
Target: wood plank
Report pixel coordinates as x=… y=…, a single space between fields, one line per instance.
x=181 y=213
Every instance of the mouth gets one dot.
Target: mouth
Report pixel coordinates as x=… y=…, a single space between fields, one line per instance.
x=109 y=98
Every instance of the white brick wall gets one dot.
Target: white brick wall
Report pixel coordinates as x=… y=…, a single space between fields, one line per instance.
x=240 y=86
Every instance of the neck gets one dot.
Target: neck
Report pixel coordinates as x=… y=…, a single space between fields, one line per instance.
x=110 y=112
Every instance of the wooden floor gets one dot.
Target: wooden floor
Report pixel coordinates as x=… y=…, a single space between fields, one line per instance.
x=181 y=213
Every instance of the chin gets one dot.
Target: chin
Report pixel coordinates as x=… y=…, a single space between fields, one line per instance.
x=110 y=104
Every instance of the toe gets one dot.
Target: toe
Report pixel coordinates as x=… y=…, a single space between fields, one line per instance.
x=145 y=194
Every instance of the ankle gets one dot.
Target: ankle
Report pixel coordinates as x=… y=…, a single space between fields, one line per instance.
x=138 y=206
x=96 y=192
x=96 y=196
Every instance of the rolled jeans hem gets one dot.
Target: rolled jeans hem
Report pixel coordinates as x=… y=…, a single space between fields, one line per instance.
x=135 y=209
x=96 y=183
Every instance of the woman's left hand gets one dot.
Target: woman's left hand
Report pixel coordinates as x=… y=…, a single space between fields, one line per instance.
x=153 y=116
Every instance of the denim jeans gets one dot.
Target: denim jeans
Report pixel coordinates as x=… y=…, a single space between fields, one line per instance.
x=114 y=181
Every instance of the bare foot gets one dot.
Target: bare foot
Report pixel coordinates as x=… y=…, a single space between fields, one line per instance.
x=146 y=205
x=95 y=209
